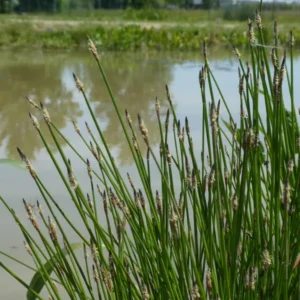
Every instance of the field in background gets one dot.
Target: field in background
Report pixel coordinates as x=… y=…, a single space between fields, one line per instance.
x=147 y=29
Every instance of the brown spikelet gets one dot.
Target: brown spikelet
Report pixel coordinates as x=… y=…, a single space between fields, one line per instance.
x=45 y=114
x=32 y=103
x=275 y=29
x=71 y=176
x=76 y=127
x=27 y=248
x=52 y=230
x=251 y=36
x=236 y=52
x=274 y=58
x=145 y=294
x=95 y=274
x=168 y=96
x=27 y=163
x=89 y=169
x=158 y=203
x=93 y=49
x=35 y=122
x=174 y=223
x=258 y=20
x=105 y=206
x=267 y=260
x=129 y=120
x=157 y=108
x=142 y=199
x=135 y=145
x=204 y=50
x=31 y=215
x=40 y=209
x=297 y=261
x=78 y=83
x=282 y=70
x=167 y=120
x=209 y=284
x=143 y=129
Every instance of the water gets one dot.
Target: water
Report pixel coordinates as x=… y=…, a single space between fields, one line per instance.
x=136 y=79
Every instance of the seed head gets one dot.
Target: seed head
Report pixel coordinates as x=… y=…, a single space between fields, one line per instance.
x=290 y=166
x=27 y=163
x=158 y=203
x=31 y=215
x=94 y=252
x=78 y=83
x=267 y=260
x=174 y=224
x=76 y=127
x=95 y=274
x=72 y=180
x=187 y=126
x=128 y=118
x=252 y=278
x=235 y=203
x=226 y=176
x=258 y=20
x=274 y=58
x=157 y=107
x=167 y=120
x=209 y=284
x=52 y=230
x=211 y=178
x=27 y=248
x=143 y=129
x=142 y=199
x=275 y=30
x=282 y=70
x=35 y=122
x=168 y=96
x=40 y=209
x=297 y=261
x=195 y=293
x=251 y=36
x=237 y=53
x=135 y=145
x=93 y=49
x=105 y=207
x=32 y=103
x=287 y=194
x=45 y=114
x=145 y=293
x=169 y=155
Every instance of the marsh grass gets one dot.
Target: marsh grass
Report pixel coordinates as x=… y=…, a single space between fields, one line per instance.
x=222 y=225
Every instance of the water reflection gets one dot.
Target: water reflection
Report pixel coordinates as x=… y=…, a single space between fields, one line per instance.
x=136 y=82
x=136 y=79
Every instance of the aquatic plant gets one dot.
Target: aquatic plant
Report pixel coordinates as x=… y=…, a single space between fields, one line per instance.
x=223 y=223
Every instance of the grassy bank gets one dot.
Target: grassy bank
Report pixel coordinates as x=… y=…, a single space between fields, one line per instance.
x=132 y=37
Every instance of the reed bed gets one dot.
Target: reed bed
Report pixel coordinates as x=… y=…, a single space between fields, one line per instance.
x=224 y=223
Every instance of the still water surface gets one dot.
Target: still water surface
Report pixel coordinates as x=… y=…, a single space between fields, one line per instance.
x=136 y=80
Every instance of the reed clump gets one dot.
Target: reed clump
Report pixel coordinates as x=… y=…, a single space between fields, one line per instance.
x=223 y=223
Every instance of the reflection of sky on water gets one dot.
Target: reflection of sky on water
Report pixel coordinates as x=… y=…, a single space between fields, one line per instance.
x=135 y=80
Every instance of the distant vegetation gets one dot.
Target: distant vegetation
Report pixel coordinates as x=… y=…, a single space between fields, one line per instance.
x=69 y=6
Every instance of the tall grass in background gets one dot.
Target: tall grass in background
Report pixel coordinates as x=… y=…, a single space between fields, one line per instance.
x=224 y=223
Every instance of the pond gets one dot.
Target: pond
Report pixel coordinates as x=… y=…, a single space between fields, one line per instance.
x=136 y=79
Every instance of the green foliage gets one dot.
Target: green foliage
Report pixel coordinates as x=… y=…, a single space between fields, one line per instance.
x=38 y=282
x=149 y=14
x=132 y=37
